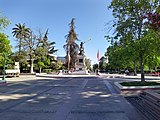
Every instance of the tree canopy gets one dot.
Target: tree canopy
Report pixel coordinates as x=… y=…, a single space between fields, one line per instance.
x=133 y=40
x=4 y=22
x=71 y=47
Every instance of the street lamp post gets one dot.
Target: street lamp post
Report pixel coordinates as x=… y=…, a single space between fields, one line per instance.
x=4 y=65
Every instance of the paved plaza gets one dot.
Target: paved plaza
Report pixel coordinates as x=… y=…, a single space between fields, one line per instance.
x=64 y=98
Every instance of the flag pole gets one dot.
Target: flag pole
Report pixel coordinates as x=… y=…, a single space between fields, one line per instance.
x=98 y=55
x=98 y=68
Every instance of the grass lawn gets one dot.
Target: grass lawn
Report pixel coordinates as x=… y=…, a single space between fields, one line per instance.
x=138 y=83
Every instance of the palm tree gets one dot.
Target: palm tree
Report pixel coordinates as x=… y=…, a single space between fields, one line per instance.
x=21 y=33
x=71 y=47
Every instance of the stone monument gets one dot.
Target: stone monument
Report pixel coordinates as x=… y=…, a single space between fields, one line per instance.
x=80 y=64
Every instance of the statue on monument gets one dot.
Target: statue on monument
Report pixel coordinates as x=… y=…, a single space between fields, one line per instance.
x=81 y=49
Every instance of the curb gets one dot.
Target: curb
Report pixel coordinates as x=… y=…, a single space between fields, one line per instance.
x=2 y=83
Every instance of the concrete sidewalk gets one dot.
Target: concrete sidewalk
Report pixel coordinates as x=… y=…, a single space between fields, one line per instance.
x=76 y=98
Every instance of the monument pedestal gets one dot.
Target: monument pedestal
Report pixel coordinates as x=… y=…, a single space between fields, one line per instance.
x=80 y=66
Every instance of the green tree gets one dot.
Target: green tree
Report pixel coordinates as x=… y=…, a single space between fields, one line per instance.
x=116 y=57
x=149 y=45
x=45 y=50
x=71 y=47
x=21 y=32
x=41 y=56
x=88 y=64
x=40 y=65
x=95 y=67
x=29 y=46
x=4 y=44
x=5 y=47
x=129 y=20
x=102 y=64
x=57 y=65
x=4 y=22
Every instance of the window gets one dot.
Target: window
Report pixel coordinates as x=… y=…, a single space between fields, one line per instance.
x=80 y=60
x=80 y=68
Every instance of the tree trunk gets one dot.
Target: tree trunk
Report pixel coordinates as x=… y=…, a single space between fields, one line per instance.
x=31 y=55
x=31 y=66
x=20 y=52
x=40 y=69
x=21 y=68
x=142 y=68
x=31 y=61
x=135 y=70
x=141 y=52
x=68 y=57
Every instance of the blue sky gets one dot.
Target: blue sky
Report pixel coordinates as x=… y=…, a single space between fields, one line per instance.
x=55 y=15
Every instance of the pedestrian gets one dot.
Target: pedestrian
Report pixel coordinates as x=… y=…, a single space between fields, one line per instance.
x=127 y=72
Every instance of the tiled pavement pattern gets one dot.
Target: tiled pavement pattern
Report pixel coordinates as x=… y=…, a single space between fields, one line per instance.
x=60 y=99
x=96 y=103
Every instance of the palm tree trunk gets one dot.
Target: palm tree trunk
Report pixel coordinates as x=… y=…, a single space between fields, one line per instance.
x=20 y=45
x=20 y=52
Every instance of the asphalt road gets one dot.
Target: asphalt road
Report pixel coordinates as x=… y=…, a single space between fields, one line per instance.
x=80 y=98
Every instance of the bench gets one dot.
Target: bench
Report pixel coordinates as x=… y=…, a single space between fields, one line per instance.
x=12 y=73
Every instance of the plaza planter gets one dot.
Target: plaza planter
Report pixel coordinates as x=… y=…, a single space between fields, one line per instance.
x=134 y=90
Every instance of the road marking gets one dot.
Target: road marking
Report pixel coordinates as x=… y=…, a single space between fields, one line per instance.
x=110 y=87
